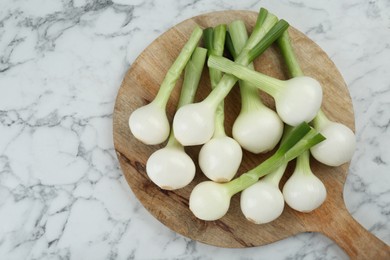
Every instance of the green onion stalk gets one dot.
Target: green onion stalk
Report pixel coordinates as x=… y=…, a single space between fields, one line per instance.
x=149 y=123
x=220 y=157
x=171 y=168
x=303 y=191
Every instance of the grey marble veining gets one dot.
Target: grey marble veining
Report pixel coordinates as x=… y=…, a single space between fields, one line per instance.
x=62 y=194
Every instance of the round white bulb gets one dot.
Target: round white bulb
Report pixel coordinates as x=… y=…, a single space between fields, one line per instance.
x=170 y=168
x=149 y=124
x=299 y=101
x=304 y=192
x=209 y=200
x=262 y=202
x=258 y=131
x=337 y=148
x=193 y=124
x=220 y=158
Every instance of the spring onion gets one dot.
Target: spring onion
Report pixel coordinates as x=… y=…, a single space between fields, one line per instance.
x=263 y=202
x=194 y=124
x=257 y=128
x=149 y=123
x=304 y=191
x=297 y=100
x=171 y=168
x=221 y=156
x=340 y=143
x=340 y=140
x=211 y=201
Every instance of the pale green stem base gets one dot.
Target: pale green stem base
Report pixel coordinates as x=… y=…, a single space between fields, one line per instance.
x=321 y=120
x=172 y=141
x=303 y=164
x=219 y=122
x=275 y=176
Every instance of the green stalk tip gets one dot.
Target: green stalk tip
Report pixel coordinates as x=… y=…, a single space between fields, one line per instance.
x=230 y=46
x=208 y=35
x=177 y=68
x=261 y=17
x=239 y=35
x=289 y=56
x=192 y=74
x=219 y=39
x=293 y=137
x=271 y=36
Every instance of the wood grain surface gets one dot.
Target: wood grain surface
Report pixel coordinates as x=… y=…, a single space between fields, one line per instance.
x=141 y=84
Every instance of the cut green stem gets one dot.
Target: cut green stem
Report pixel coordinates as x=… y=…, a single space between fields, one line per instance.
x=214 y=40
x=229 y=45
x=177 y=67
x=238 y=37
x=294 y=69
x=273 y=34
x=192 y=74
x=288 y=54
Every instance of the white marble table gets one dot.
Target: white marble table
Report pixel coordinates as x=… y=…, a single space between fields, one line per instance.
x=62 y=194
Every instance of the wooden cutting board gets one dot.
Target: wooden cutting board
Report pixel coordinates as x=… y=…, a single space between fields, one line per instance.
x=141 y=84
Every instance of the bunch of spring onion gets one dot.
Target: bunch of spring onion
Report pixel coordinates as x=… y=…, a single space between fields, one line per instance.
x=210 y=200
x=264 y=202
x=171 y=168
x=194 y=124
x=221 y=156
x=304 y=191
x=339 y=146
x=257 y=128
x=149 y=123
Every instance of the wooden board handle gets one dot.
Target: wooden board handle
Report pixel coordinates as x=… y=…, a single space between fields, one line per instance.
x=357 y=242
